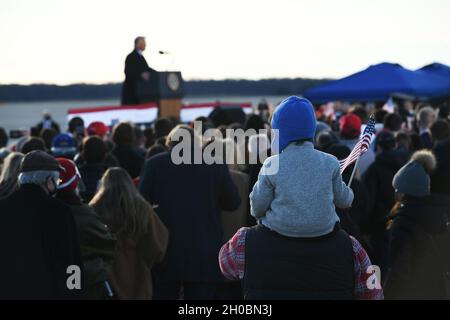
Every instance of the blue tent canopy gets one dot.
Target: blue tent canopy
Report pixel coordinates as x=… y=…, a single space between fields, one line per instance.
x=378 y=83
x=437 y=69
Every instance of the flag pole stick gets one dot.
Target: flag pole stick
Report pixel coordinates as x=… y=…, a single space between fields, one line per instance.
x=353 y=172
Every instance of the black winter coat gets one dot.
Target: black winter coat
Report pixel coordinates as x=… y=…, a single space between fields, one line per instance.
x=419 y=249
x=352 y=219
x=38 y=242
x=135 y=65
x=440 y=179
x=91 y=175
x=284 y=268
x=378 y=180
x=189 y=199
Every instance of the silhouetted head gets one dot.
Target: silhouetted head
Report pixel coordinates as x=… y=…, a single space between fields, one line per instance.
x=163 y=126
x=392 y=122
x=440 y=130
x=94 y=149
x=123 y=133
x=139 y=43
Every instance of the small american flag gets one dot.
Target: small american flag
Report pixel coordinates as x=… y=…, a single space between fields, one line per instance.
x=362 y=145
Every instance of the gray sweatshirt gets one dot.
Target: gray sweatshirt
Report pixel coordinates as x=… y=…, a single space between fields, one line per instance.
x=299 y=199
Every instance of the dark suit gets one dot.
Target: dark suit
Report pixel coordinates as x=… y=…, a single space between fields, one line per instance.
x=190 y=200
x=135 y=65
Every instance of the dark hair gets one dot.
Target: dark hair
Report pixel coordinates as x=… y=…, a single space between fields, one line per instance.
x=76 y=124
x=403 y=139
x=3 y=137
x=392 y=121
x=385 y=140
x=379 y=105
x=380 y=115
x=32 y=144
x=338 y=150
x=444 y=111
x=154 y=150
x=235 y=126
x=136 y=40
x=109 y=145
x=161 y=141
x=47 y=135
x=361 y=112
x=123 y=133
x=163 y=126
x=138 y=134
x=440 y=130
x=94 y=150
x=326 y=139
x=34 y=132
x=302 y=141
x=341 y=152
x=254 y=122
x=149 y=135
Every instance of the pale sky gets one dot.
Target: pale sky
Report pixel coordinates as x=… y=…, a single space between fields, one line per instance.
x=73 y=41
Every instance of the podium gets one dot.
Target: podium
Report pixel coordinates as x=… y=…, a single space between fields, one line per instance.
x=164 y=88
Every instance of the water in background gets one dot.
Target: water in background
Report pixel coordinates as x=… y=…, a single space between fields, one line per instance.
x=23 y=115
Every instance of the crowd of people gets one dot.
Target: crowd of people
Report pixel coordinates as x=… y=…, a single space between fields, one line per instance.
x=139 y=226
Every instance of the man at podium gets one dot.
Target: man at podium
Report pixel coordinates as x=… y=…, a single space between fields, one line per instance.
x=136 y=69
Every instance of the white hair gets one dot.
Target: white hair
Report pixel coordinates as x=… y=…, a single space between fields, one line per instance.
x=37 y=177
x=426 y=117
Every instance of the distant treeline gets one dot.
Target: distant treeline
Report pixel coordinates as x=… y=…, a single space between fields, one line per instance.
x=46 y=92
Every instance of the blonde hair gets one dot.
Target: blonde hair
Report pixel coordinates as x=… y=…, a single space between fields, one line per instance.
x=120 y=205
x=10 y=173
x=177 y=133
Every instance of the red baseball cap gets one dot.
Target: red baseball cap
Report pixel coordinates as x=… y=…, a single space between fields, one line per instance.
x=97 y=128
x=350 y=125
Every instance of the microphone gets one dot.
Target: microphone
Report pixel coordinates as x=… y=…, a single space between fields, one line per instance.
x=163 y=52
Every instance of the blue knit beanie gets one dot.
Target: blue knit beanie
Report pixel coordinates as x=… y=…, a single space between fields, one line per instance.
x=295 y=119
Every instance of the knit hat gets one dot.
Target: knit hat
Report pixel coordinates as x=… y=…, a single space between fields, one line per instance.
x=350 y=126
x=97 y=128
x=38 y=160
x=413 y=178
x=64 y=145
x=70 y=177
x=294 y=119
